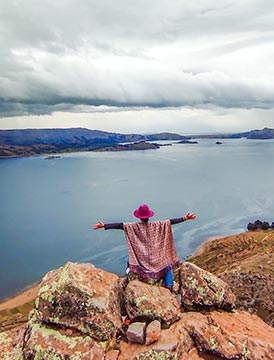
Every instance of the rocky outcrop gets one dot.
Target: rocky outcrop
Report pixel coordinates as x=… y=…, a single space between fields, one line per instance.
x=245 y=262
x=200 y=289
x=82 y=312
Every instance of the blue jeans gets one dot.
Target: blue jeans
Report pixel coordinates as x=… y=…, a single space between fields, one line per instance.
x=169 y=278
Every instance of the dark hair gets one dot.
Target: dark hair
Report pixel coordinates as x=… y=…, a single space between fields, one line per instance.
x=145 y=220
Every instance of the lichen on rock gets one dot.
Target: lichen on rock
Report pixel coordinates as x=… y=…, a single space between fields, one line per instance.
x=148 y=302
x=11 y=343
x=82 y=297
x=202 y=290
x=44 y=343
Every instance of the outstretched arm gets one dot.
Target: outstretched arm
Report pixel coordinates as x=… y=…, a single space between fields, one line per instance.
x=188 y=216
x=100 y=225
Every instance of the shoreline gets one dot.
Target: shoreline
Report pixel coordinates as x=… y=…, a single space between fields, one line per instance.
x=21 y=298
x=201 y=248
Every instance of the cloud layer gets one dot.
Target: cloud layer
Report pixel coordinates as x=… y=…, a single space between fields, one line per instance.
x=71 y=55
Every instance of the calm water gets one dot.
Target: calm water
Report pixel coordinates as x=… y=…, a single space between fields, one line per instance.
x=48 y=206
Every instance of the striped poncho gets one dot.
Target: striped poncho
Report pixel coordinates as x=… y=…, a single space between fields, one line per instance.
x=151 y=248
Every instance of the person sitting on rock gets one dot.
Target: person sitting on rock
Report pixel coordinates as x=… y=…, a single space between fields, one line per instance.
x=151 y=249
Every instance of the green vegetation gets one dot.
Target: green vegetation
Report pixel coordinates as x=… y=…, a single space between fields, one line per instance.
x=260 y=225
x=157 y=355
x=11 y=318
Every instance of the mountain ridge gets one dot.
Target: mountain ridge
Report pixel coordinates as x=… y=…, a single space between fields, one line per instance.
x=29 y=142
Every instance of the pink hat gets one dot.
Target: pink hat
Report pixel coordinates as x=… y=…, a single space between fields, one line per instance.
x=143 y=212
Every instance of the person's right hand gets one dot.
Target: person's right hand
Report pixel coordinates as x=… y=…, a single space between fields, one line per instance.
x=99 y=225
x=189 y=216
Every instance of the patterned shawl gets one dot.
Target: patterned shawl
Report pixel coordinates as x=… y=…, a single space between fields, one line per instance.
x=151 y=248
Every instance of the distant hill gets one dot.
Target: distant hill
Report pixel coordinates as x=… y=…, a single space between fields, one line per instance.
x=29 y=142
x=79 y=136
x=263 y=134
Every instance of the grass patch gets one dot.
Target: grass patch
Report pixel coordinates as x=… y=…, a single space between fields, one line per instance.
x=11 y=318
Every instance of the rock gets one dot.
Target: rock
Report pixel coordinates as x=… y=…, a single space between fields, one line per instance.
x=255 y=293
x=69 y=332
x=11 y=343
x=136 y=332
x=112 y=355
x=82 y=297
x=149 y=302
x=231 y=335
x=153 y=332
x=42 y=342
x=171 y=344
x=194 y=354
x=74 y=315
x=201 y=289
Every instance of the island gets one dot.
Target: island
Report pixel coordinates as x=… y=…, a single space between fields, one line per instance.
x=142 y=145
x=52 y=157
x=187 y=142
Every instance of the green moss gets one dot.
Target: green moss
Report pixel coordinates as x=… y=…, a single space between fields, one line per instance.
x=213 y=343
x=192 y=283
x=47 y=355
x=140 y=299
x=245 y=350
x=150 y=313
x=44 y=288
x=201 y=291
x=155 y=355
x=47 y=333
x=48 y=296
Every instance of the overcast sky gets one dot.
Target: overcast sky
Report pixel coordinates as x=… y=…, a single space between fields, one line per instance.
x=137 y=66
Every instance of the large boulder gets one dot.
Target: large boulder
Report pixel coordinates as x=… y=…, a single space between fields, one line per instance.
x=82 y=297
x=200 y=289
x=43 y=342
x=236 y=335
x=149 y=302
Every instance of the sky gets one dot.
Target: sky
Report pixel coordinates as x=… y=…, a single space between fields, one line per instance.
x=137 y=66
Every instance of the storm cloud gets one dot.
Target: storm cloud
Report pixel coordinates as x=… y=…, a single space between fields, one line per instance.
x=73 y=56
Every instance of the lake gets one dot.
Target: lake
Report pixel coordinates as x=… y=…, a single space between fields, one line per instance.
x=48 y=207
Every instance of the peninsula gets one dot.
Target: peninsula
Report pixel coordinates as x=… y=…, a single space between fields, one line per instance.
x=28 y=142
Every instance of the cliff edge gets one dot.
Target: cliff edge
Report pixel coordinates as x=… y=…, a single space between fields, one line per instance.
x=82 y=312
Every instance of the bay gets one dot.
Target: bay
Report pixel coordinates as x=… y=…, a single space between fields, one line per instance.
x=48 y=207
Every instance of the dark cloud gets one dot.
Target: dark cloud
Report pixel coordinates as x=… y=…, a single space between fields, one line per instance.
x=59 y=55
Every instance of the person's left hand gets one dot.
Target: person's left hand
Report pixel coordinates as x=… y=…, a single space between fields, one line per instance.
x=189 y=216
